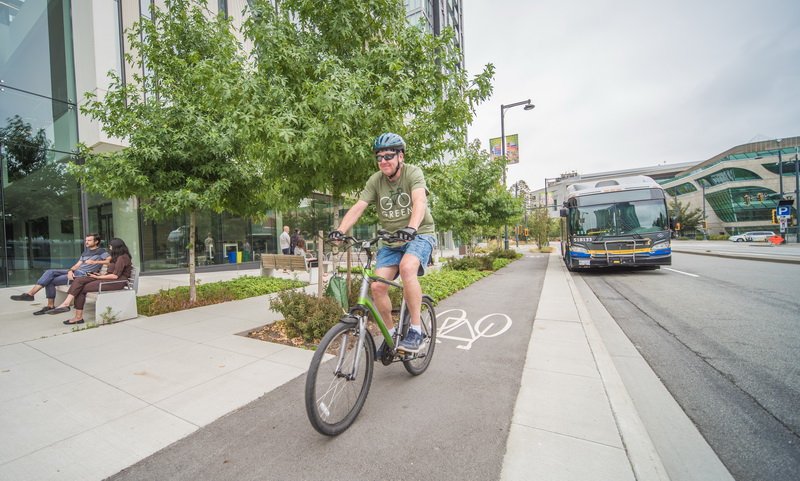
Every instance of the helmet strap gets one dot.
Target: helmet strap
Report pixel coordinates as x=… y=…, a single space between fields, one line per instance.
x=396 y=170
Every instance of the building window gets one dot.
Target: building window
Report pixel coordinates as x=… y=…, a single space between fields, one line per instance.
x=685 y=188
x=743 y=204
x=788 y=167
x=728 y=175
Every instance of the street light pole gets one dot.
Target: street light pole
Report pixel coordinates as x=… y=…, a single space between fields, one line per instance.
x=796 y=193
x=780 y=168
x=528 y=106
x=705 y=222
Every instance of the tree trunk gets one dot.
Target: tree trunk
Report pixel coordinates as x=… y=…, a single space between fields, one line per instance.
x=192 y=236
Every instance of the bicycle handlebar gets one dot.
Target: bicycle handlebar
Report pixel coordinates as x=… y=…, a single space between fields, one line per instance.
x=383 y=235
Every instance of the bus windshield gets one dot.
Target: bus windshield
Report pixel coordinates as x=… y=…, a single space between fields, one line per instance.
x=619 y=218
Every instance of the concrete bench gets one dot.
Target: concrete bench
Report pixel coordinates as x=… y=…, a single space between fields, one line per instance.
x=118 y=305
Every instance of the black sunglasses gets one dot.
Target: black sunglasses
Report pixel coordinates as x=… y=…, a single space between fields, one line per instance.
x=389 y=156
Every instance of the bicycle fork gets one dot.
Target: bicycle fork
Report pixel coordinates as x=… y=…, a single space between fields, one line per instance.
x=362 y=332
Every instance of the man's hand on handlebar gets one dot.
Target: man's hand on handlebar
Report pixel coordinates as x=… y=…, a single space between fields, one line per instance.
x=406 y=234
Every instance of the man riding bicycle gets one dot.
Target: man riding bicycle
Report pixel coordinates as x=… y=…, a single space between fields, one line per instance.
x=400 y=197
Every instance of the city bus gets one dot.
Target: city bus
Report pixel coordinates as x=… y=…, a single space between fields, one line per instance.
x=616 y=222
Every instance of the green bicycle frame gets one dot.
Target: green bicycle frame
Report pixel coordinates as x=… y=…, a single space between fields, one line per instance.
x=365 y=301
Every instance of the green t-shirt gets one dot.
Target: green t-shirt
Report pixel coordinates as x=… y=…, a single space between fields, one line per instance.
x=393 y=199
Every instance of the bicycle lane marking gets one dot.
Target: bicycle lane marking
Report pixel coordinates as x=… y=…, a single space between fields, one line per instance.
x=458 y=318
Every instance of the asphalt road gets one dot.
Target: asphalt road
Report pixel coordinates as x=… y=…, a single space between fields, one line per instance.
x=450 y=423
x=724 y=337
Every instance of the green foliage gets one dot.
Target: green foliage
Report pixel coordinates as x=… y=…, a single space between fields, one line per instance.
x=305 y=315
x=444 y=283
x=329 y=76
x=541 y=226
x=500 y=262
x=177 y=299
x=688 y=218
x=496 y=259
x=468 y=196
x=181 y=121
x=478 y=263
x=505 y=254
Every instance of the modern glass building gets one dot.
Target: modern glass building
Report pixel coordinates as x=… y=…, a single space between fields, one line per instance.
x=51 y=53
x=740 y=188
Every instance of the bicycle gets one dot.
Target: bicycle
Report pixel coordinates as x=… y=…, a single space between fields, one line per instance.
x=340 y=373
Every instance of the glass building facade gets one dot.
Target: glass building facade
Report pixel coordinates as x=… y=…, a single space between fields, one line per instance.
x=39 y=201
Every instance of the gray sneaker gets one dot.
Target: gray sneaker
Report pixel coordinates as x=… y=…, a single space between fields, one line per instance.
x=411 y=342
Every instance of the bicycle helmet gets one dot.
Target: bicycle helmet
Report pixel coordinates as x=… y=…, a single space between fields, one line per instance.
x=388 y=141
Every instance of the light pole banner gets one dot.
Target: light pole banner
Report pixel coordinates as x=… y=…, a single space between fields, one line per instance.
x=512 y=148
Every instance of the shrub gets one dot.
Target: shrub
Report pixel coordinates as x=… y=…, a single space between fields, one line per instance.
x=478 y=263
x=504 y=254
x=177 y=299
x=305 y=315
x=500 y=262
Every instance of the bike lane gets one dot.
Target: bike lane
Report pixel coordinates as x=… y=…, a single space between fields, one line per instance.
x=451 y=422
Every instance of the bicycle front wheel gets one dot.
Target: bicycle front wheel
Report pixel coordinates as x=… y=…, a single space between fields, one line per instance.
x=420 y=361
x=337 y=386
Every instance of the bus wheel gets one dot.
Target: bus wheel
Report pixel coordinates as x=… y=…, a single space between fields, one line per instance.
x=568 y=262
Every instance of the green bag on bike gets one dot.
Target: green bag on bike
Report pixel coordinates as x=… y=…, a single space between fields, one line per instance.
x=337 y=290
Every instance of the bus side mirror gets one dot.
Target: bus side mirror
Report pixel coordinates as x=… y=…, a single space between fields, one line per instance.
x=563 y=212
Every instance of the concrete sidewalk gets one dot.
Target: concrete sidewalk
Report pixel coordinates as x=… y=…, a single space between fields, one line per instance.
x=85 y=405
x=573 y=419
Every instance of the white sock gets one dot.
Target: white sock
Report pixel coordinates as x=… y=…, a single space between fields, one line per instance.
x=417 y=328
x=392 y=331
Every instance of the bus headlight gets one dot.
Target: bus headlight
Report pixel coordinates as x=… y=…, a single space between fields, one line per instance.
x=661 y=248
x=578 y=251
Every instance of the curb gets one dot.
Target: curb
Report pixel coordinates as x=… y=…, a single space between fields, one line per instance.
x=642 y=454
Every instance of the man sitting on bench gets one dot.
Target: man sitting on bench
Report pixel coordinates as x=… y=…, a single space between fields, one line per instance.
x=91 y=260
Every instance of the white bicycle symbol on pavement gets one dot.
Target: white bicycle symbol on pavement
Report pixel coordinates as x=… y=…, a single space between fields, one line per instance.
x=496 y=324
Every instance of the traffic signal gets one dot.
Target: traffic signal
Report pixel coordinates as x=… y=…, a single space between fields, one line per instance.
x=774 y=216
x=677 y=226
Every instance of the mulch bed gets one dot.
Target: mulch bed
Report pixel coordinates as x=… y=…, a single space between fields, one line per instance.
x=276 y=332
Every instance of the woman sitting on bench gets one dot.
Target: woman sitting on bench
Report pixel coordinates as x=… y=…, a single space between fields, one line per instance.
x=116 y=278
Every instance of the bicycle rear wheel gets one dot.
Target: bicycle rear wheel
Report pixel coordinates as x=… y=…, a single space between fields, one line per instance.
x=420 y=361
x=336 y=388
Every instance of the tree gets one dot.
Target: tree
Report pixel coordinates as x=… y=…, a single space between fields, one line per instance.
x=540 y=226
x=181 y=120
x=685 y=216
x=333 y=75
x=468 y=196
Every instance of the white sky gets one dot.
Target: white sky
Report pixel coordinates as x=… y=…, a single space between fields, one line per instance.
x=625 y=83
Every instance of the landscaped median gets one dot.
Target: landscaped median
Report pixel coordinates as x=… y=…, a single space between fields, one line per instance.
x=307 y=318
x=177 y=299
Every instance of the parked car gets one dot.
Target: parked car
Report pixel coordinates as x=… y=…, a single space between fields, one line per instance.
x=754 y=236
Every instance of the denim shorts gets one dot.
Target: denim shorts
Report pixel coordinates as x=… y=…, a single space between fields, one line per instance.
x=421 y=248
